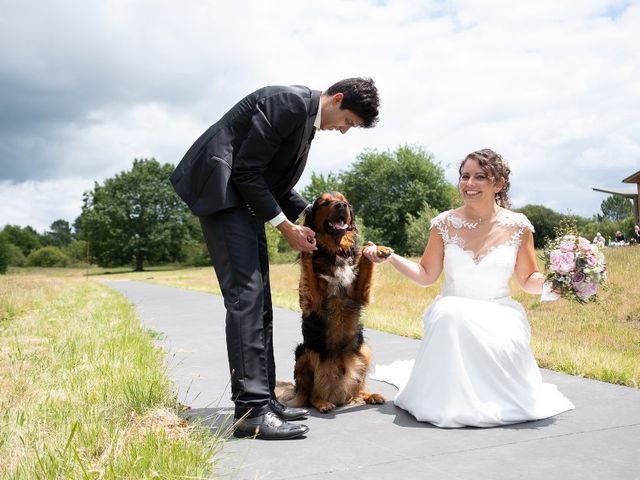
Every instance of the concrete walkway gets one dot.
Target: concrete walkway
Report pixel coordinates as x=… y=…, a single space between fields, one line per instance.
x=600 y=439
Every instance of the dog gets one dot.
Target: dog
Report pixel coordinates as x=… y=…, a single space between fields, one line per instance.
x=332 y=362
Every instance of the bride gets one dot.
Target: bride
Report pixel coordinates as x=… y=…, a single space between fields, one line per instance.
x=474 y=366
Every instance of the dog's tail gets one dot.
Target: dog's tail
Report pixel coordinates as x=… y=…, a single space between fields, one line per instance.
x=286 y=393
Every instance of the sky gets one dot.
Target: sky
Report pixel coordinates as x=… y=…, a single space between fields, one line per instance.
x=87 y=86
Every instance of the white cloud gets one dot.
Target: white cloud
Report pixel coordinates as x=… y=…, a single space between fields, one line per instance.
x=40 y=203
x=552 y=86
x=112 y=137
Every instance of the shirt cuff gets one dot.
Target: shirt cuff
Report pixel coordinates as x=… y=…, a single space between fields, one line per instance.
x=278 y=219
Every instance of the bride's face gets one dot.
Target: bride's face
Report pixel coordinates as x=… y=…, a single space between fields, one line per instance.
x=476 y=186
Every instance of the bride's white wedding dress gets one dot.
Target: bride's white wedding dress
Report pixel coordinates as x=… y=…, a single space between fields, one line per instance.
x=474 y=366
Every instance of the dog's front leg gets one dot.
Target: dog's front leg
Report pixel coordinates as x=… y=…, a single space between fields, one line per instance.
x=362 y=288
x=308 y=289
x=362 y=285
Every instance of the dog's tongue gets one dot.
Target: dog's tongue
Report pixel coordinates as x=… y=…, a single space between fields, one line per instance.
x=339 y=224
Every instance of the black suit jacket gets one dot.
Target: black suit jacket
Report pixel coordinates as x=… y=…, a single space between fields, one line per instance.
x=253 y=155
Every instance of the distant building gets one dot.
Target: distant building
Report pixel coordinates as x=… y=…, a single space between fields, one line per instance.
x=634 y=196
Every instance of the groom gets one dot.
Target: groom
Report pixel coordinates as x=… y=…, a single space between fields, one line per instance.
x=238 y=175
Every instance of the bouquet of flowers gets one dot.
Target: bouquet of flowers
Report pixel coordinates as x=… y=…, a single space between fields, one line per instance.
x=574 y=266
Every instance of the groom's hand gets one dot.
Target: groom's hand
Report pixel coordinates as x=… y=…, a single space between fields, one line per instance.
x=301 y=238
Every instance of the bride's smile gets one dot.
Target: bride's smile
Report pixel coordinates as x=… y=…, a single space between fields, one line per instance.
x=475 y=183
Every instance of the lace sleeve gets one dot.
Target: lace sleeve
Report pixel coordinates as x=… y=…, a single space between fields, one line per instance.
x=515 y=219
x=520 y=222
x=524 y=222
x=439 y=221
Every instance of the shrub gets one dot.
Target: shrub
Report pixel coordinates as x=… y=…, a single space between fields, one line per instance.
x=608 y=229
x=418 y=230
x=48 y=257
x=196 y=255
x=273 y=239
x=278 y=248
x=16 y=257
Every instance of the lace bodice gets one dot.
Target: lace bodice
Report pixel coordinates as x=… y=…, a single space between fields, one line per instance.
x=479 y=257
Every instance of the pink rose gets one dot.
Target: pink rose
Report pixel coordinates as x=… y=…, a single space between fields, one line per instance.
x=585 y=290
x=561 y=262
x=567 y=245
x=584 y=245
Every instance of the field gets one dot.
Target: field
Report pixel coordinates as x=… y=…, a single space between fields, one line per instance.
x=599 y=340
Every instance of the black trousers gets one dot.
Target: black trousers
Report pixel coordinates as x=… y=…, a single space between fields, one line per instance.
x=238 y=248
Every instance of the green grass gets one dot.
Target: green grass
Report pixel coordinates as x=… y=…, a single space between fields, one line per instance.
x=83 y=390
x=598 y=340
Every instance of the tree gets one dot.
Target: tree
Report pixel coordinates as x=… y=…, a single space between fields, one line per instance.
x=544 y=221
x=26 y=239
x=321 y=184
x=135 y=217
x=59 y=234
x=4 y=254
x=77 y=251
x=386 y=186
x=616 y=208
x=194 y=250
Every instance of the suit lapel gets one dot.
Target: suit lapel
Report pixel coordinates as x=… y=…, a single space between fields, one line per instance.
x=303 y=149
x=314 y=104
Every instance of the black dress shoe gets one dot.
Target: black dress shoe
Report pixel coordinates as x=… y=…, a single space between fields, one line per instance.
x=268 y=427
x=287 y=413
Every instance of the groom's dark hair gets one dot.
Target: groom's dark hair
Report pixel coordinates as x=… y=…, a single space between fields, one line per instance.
x=360 y=97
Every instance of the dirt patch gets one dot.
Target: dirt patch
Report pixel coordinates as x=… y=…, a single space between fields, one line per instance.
x=159 y=420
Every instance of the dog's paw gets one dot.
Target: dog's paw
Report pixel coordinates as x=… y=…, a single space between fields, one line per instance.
x=370 y=398
x=383 y=252
x=375 y=399
x=324 y=406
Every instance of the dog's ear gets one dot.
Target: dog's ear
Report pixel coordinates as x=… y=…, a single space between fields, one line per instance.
x=352 y=214
x=310 y=215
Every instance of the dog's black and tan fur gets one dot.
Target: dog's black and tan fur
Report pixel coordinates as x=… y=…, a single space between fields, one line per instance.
x=335 y=284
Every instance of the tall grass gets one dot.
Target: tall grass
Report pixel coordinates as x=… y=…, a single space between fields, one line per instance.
x=598 y=340
x=83 y=391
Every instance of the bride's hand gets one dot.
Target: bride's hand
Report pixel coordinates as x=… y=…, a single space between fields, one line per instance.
x=549 y=292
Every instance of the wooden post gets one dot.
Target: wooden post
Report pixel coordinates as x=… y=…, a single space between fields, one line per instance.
x=636 y=205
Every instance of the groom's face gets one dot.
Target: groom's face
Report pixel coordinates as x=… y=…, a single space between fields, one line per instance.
x=336 y=118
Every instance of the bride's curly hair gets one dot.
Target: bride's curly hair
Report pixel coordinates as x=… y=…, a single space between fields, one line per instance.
x=496 y=168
